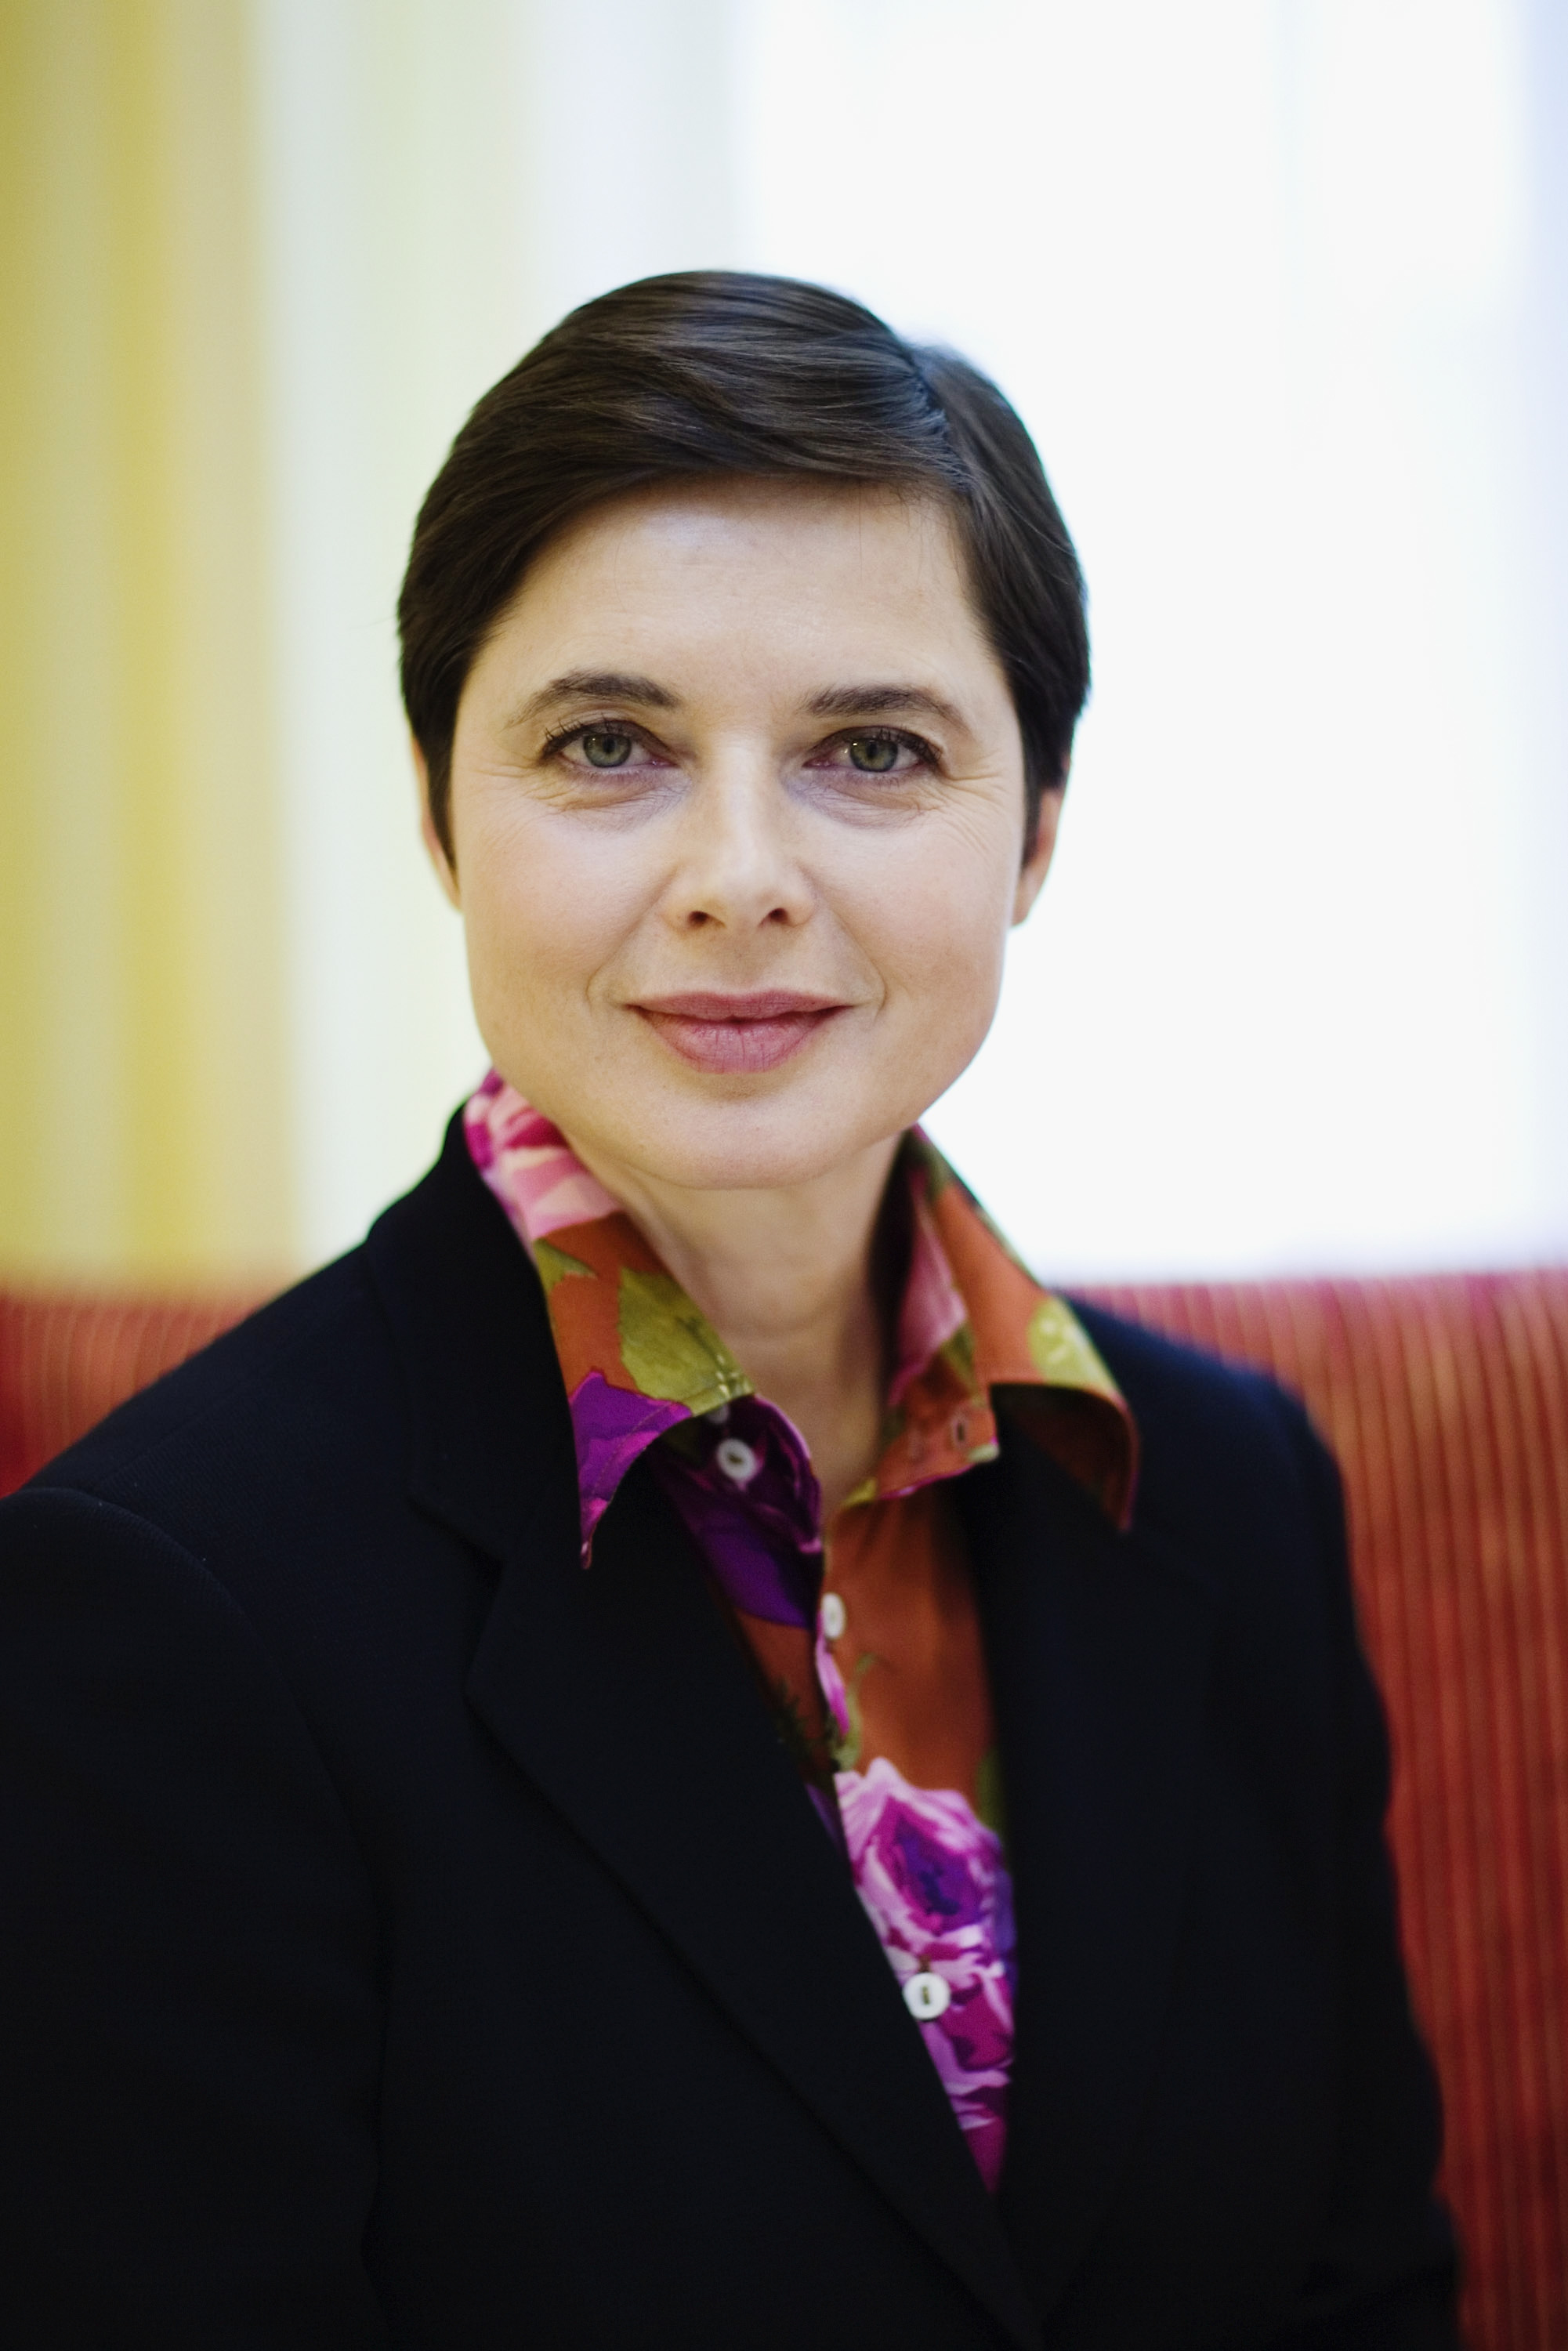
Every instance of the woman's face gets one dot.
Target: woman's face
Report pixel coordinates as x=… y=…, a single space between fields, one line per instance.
x=738 y=812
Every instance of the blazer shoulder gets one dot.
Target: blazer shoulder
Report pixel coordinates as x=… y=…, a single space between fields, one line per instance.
x=320 y=1354
x=414 y=1378
x=1170 y=1381
x=1225 y=1449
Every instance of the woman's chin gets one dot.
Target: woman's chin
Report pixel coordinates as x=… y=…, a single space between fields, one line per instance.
x=740 y=1147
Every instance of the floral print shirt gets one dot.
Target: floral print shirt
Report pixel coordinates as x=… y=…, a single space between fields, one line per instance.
x=864 y=1635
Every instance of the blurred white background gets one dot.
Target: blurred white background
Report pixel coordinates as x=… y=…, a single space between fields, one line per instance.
x=1281 y=287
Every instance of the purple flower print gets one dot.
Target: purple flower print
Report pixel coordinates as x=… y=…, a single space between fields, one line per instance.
x=929 y=1870
x=938 y=1884
x=934 y=1884
x=760 y=1534
x=612 y=1427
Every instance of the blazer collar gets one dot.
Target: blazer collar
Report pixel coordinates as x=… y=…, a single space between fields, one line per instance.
x=491 y=1452
x=623 y=1696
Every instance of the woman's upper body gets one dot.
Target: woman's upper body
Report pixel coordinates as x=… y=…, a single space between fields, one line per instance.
x=415 y=1938
x=471 y=1733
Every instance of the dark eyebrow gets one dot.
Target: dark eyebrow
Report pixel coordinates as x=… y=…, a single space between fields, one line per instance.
x=881 y=702
x=594 y=685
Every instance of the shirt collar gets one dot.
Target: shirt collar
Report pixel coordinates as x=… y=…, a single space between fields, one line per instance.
x=639 y=1357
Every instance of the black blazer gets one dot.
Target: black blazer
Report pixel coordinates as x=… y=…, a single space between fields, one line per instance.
x=413 y=1940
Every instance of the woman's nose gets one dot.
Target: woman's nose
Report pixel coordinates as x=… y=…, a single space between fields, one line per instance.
x=738 y=867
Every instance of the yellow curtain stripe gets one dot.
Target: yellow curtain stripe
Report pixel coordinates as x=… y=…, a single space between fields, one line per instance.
x=143 y=1133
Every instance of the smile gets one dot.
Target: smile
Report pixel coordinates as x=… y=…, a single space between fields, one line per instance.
x=738 y=1033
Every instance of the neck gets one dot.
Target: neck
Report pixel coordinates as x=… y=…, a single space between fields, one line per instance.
x=786 y=1278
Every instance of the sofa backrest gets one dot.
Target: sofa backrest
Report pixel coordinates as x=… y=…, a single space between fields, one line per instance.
x=1446 y=1401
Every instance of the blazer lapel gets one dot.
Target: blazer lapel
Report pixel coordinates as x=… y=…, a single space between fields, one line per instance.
x=1098 y=1644
x=622 y=1694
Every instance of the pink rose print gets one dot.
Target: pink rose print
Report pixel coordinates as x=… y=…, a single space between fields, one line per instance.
x=529 y=1163
x=936 y=1888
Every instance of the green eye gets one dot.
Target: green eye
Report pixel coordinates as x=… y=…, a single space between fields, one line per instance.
x=603 y=748
x=873 y=755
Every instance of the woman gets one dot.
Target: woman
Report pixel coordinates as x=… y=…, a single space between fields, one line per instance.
x=674 y=1751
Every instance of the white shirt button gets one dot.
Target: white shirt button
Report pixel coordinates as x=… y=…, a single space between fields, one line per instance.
x=736 y=1459
x=927 y=1997
x=833 y=1616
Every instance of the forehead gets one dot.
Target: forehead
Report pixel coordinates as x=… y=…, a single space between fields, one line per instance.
x=784 y=576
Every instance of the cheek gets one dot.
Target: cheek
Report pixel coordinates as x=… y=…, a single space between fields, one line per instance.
x=937 y=931
x=544 y=905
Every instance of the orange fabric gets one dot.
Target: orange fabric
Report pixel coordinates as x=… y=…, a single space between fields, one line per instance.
x=604 y=1247
x=67 y=1357
x=910 y=1655
x=910 y=1664
x=1447 y=1403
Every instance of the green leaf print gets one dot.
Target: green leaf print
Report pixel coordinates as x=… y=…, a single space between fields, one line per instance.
x=1062 y=1351
x=989 y=1803
x=670 y=1347
x=847 y=1750
x=553 y=1264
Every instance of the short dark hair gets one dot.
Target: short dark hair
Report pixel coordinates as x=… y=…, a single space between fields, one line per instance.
x=720 y=371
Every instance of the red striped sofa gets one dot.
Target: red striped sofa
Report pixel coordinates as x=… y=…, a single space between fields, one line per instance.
x=1447 y=1403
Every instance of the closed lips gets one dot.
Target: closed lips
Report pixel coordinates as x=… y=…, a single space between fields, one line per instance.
x=738 y=1033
